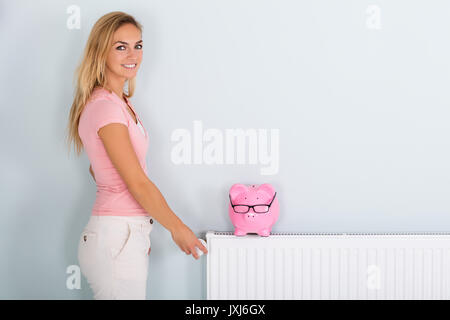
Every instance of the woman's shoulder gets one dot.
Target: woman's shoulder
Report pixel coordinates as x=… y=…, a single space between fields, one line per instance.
x=101 y=101
x=100 y=93
x=99 y=109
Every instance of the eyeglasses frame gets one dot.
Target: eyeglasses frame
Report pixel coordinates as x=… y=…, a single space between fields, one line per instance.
x=252 y=207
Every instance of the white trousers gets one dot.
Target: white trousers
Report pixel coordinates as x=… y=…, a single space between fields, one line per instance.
x=113 y=254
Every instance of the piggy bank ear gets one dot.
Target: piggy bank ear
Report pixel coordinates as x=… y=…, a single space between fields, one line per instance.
x=267 y=188
x=236 y=189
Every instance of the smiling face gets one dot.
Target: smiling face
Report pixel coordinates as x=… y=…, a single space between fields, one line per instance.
x=125 y=55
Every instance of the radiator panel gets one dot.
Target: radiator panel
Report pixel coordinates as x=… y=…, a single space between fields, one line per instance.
x=328 y=266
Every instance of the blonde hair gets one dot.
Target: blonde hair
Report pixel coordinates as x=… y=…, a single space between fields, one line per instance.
x=91 y=71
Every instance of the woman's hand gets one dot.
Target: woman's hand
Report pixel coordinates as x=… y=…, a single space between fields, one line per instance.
x=187 y=240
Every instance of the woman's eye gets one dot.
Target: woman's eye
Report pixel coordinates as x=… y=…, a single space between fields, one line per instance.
x=139 y=46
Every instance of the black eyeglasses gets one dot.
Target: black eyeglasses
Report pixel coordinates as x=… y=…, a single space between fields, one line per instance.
x=257 y=208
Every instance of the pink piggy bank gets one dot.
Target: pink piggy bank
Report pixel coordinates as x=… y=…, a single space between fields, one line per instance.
x=253 y=208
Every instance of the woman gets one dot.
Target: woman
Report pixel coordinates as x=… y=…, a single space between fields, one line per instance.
x=114 y=245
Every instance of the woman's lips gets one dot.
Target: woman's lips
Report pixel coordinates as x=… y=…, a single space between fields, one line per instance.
x=129 y=66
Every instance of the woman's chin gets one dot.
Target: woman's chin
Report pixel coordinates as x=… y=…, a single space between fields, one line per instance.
x=129 y=74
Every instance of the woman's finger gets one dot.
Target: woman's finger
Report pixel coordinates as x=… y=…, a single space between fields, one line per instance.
x=194 y=252
x=203 y=248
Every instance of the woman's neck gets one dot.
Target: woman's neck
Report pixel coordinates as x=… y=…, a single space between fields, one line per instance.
x=115 y=84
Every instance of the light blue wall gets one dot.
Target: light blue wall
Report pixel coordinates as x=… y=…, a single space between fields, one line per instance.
x=358 y=91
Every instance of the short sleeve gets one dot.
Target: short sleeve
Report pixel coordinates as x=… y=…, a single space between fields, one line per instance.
x=103 y=112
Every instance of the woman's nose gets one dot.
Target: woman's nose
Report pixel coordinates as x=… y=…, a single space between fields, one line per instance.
x=132 y=54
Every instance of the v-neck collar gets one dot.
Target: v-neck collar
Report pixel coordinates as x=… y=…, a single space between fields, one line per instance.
x=132 y=109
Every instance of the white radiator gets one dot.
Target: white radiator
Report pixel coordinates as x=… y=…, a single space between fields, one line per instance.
x=328 y=266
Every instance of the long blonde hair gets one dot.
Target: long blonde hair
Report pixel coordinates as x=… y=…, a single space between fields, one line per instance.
x=91 y=71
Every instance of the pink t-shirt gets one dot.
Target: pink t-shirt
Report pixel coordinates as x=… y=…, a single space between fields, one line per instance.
x=113 y=197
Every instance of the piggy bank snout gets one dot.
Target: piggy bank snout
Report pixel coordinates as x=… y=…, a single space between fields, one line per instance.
x=250 y=214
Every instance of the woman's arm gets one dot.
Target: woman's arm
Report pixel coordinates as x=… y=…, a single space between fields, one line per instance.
x=92 y=172
x=118 y=146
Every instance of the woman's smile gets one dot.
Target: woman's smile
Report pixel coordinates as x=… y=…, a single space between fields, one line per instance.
x=129 y=66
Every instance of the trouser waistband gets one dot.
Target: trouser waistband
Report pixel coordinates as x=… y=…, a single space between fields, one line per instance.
x=137 y=222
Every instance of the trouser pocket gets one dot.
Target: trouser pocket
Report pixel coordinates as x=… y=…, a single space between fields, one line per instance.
x=88 y=251
x=129 y=256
